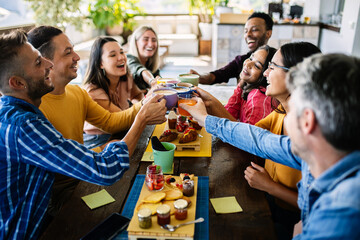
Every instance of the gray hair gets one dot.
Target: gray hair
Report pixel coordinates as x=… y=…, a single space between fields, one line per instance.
x=154 y=61
x=330 y=86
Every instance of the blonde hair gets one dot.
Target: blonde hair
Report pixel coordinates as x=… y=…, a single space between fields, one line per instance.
x=154 y=61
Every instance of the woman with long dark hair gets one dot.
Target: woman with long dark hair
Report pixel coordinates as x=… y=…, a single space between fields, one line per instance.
x=278 y=180
x=248 y=103
x=108 y=82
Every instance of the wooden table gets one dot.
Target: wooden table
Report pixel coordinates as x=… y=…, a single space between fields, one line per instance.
x=226 y=178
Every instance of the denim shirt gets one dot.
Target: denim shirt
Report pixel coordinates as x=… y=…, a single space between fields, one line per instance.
x=330 y=204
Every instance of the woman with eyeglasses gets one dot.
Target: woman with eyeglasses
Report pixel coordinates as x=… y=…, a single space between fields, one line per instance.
x=248 y=103
x=278 y=180
x=109 y=83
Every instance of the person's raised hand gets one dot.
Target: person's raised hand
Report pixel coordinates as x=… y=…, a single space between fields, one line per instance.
x=258 y=178
x=153 y=83
x=212 y=103
x=198 y=111
x=153 y=111
x=154 y=86
x=192 y=71
x=205 y=96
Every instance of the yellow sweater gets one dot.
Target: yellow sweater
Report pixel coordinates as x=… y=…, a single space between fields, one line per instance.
x=287 y=176
x=68 y=112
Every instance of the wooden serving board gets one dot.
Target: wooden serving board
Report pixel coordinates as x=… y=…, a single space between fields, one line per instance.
x=156 y=232
x=181 y=146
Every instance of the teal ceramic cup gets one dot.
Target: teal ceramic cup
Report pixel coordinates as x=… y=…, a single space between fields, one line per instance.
x=189 y=78
x=165 y=158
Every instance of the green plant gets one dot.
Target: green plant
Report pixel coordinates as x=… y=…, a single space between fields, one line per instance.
x=109 y=13
x=58 y=13
x=204 y=8
x=224 y=3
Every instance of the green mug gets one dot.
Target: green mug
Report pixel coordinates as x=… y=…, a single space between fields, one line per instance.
x=165 y=158
x=189 y=78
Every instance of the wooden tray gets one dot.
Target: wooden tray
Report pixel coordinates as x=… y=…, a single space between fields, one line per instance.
x=181 y=146
x=156 y=232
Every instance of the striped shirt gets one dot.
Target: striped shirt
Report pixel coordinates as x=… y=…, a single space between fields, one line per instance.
x=31 y=149
x=256 y=107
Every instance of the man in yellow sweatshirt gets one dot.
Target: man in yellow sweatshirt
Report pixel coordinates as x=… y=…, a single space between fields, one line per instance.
x=68 y=106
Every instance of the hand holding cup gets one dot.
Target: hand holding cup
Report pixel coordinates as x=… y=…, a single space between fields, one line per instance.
x=197 y=111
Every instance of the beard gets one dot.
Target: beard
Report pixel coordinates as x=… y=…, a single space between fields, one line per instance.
x=262 y=41
x=37 y=89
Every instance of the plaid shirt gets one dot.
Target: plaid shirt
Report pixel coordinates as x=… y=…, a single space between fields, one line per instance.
x=30 y=150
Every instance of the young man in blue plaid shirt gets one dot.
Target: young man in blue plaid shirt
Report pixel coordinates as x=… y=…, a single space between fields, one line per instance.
x=31 y=149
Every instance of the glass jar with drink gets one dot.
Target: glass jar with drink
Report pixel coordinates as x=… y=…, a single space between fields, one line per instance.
x=187 y=99
x=154 y=179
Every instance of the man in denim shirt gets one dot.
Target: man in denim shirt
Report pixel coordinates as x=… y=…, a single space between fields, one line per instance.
x=323 y=125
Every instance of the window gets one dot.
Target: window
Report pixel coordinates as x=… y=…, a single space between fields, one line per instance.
x=182 y=6
x=165 y=6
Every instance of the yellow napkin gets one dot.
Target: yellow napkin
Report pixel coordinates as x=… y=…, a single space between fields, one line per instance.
x=98 y=199
x=226 y=205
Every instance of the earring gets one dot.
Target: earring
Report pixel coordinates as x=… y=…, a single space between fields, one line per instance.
x=104 y=72
x=25 y=87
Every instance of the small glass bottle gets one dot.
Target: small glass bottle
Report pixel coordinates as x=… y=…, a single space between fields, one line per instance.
x=180 y=209
x=163 y=214
x=188 y=187
x=154 y=178
x=144 y=216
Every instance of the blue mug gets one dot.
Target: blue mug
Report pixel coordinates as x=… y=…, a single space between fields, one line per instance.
x=182 y=91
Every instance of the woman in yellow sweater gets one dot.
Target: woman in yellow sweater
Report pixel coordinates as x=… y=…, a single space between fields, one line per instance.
x=277 y=180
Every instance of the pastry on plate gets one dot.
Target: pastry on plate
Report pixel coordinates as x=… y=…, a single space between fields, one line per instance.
x=154 y=197
x=194 y=124
x=173 y=194
x=185 y=176
x=151 y=206
x=189 y=135
x=168 y=136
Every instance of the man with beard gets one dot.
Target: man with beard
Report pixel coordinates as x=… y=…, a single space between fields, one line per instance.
x=31 y=149
x=323 y=142
x=258 y=30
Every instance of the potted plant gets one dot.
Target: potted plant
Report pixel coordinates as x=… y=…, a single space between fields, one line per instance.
x=59 y=13
x=205 y=10
x=223 y=8
x=115 y=15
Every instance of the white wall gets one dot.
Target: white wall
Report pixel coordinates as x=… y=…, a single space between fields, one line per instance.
x=356 y=48
x=312 y=9
x=344 y=41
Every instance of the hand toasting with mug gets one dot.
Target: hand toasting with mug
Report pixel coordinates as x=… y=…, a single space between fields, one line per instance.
x=153 y=110
x=197 y=111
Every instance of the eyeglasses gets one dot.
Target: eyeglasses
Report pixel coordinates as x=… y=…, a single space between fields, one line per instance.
x=272 y=65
